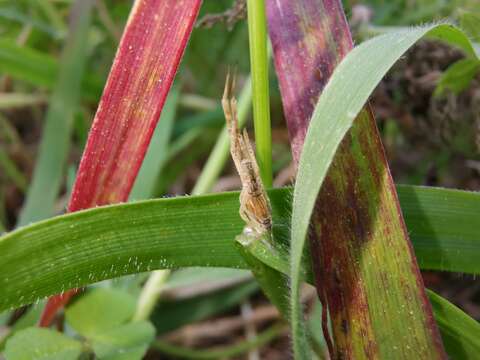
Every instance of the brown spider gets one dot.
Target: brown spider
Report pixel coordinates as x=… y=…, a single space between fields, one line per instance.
x=254 y=204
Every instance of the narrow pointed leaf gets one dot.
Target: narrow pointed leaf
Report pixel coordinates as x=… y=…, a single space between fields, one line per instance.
x=50 y=164
x=460 y=333
x=142 y=73
x=147 y=59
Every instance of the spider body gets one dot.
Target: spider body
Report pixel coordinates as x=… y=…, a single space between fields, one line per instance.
x=255 y=207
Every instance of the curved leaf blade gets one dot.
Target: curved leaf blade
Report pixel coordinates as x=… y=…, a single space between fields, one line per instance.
x=460 y=333
x=85 y=247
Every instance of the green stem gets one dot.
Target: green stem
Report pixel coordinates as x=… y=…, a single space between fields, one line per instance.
x=257 y=30
x=224 y=352
x=150 y=294
x=219 y=155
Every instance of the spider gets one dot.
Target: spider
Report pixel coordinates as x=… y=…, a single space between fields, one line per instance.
x=255 y=207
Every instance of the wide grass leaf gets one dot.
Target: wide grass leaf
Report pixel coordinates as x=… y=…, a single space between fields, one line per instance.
x=342 y=100
x=82 y=248
x=439 y=222
x=170 y=314
x=85 y=247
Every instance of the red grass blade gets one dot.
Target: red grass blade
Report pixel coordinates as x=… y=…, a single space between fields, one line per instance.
x=147 y=59
x=375 y=302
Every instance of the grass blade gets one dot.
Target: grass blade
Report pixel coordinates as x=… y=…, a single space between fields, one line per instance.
x=49 y=168
x=9 y=168
x=443 y=236
x=147 y=59
x=39 y=69
x=82 y=248
x=132 y=100
x=96 y=244
x=459 y=331
x=357 y=213
x=340 y=104
x=170 y=314
x=222 y=352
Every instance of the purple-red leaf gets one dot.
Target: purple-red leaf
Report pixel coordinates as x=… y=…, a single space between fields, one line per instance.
x=148 y=56
x=366 y=274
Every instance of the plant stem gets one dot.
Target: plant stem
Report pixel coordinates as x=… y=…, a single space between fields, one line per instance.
x=150 y=294
x=257 y=30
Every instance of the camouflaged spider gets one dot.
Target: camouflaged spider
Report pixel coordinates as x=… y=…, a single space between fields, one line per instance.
x=254 y=204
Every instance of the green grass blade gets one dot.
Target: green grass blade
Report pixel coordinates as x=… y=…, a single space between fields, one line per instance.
x=470 y=23
x=458 y=76
x=12 y=14
x=445 y=237
x=82 y=248
x=274 y=284
x=102 y=243
x=49 y=168
x=342 y=100
x=27 y=64
x=51 y=14
x=460 y=333
x=40 y=69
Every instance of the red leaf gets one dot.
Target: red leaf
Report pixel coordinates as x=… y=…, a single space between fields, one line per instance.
x=366 y=273
x=148 y=56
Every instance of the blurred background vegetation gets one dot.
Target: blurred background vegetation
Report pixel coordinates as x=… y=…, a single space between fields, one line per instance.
x=430 y=125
